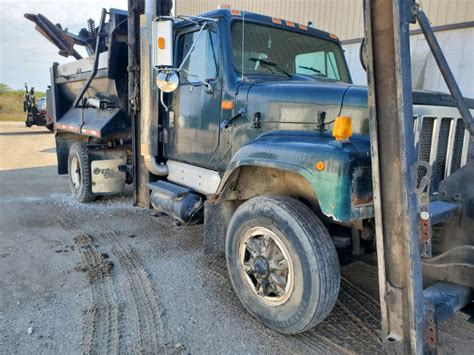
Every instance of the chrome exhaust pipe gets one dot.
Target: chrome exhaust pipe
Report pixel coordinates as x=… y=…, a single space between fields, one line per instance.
x=148 y=96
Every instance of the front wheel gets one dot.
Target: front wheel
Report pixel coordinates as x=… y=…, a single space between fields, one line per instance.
x=282 y=263
x=80 y=180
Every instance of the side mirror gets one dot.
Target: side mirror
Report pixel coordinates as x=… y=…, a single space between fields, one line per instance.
x=167 y=81
x=162 y=42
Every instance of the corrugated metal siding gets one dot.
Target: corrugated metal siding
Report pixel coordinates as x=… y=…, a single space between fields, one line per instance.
x=458 y=48
x=342 y=17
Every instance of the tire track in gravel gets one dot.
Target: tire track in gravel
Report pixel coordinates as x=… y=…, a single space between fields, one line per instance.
x=139 y=326
x=147 y=311
x=140 y=289
x=100 y=333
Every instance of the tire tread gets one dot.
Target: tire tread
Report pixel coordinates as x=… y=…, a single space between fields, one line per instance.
x=322 y=247
x=85 y=194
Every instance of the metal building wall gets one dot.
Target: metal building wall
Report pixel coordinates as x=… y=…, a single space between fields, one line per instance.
x=458 y=47
x=342 y=17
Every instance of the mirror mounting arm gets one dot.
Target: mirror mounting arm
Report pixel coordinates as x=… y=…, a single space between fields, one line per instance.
x=193 y=46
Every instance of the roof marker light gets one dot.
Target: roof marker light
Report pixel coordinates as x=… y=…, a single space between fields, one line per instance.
x=290 y=23
x=276 y=20
x=235 y=12
x=303 y=27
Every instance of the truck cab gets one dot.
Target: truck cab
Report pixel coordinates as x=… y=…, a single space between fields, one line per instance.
x=252 y=126
x=260 y=92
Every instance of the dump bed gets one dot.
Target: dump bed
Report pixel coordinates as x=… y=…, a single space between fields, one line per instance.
x=89 y=96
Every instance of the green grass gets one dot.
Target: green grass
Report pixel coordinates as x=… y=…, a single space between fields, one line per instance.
x=11 y=105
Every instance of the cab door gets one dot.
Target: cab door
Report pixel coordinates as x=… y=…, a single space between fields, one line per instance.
x=193 y=124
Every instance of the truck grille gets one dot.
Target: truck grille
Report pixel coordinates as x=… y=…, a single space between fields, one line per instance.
x=441 y=140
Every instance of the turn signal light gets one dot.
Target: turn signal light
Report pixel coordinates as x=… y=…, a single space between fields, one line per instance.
x=342 y=129
x=161 y=42
x=320 y=165
x=227 y=105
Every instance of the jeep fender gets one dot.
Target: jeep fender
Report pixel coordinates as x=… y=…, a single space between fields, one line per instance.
x=343 y=189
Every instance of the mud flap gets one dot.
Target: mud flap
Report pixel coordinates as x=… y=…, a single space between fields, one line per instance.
x=107 y=177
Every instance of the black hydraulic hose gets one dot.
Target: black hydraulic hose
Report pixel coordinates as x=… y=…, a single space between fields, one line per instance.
x=96 y=59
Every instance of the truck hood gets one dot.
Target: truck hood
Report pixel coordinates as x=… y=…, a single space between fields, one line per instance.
x=294 y=104
x=294 y=101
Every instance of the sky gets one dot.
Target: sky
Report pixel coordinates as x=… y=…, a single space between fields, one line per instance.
x=25 y=55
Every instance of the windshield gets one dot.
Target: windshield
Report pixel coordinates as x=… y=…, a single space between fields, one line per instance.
x=272 y=51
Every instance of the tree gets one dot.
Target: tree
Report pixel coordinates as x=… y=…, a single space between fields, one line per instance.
x=4 y=88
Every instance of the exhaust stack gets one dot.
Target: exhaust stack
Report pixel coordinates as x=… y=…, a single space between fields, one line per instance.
x=148 y=96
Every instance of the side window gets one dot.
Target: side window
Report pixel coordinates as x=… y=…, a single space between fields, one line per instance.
x=317 y=63
x=203 y=60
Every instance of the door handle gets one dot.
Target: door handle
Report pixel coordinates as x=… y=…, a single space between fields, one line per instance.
x=225 y=124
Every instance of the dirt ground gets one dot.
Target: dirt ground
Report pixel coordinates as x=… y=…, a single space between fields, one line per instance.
x=107 y=277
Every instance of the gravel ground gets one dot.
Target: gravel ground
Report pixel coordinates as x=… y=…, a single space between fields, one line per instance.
x=107 y=277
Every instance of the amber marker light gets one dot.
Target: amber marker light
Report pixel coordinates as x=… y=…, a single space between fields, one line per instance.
x=320 y=165
x=161 y=42
x=342 y=129
x=227 y=105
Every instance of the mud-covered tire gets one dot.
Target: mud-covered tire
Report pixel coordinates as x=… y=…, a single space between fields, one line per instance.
x=315 y=266
x=80 y=180
x=28 y=124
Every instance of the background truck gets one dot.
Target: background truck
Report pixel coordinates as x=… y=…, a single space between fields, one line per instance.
x=35 y=111
x=251 y=125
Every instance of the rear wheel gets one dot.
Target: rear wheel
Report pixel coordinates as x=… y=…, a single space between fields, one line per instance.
x=79 y=170
x=282 y=263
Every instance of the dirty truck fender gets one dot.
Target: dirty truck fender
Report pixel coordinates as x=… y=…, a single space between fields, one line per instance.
x=343 y=189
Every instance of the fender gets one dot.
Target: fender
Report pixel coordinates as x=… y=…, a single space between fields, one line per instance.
x=343 y=188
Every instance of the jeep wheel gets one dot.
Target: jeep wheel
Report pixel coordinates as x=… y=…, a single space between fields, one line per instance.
x=282 y=263
x=80 y=173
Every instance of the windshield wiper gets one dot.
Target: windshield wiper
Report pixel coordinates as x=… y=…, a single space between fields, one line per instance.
x=270 y=64
x=319 y=72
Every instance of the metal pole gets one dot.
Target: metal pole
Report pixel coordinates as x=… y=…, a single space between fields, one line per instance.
x=393 y=156
x=445 y=70
x=140 y=173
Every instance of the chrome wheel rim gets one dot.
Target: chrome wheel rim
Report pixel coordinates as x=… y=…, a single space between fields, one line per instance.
x=266 y=266
x=75 y=173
